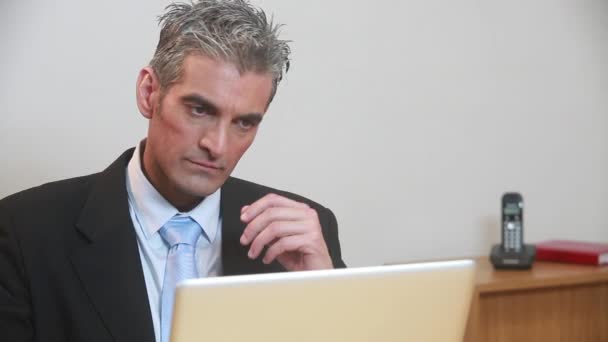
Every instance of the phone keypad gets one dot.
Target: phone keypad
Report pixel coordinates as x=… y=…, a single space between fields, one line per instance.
x=512 y=235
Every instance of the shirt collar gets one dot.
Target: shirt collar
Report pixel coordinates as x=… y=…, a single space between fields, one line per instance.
x=153 y=210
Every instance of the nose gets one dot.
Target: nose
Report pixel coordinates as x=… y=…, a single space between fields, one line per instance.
x=214 y=140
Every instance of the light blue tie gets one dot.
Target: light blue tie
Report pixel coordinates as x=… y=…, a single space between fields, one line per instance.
x=181 y=233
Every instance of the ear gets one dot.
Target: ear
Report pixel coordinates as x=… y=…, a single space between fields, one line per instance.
x=147 y=91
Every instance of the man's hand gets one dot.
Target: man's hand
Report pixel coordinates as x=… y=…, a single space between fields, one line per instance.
x=291 y=231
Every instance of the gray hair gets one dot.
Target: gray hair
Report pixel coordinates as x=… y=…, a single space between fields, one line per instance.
x=228 y=30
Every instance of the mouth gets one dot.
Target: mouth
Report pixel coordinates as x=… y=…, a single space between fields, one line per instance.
x=207 y=166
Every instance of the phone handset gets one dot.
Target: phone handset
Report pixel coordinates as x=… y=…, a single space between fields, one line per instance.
x=512 y=253
x=512 y=222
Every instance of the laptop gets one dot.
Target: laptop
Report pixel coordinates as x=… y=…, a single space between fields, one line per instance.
x=414 y=302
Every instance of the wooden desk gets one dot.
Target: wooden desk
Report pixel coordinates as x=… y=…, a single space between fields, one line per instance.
x=550 y=302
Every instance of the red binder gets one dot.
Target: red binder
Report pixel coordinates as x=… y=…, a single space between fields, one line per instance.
x=579 y=252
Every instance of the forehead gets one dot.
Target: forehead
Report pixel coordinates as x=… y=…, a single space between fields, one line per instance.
x=223 y=84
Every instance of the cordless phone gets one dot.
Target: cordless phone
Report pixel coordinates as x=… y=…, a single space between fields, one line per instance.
x=512 y=253
x=512 y=222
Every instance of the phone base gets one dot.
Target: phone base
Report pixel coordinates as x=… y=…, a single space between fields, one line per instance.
x=510 y=260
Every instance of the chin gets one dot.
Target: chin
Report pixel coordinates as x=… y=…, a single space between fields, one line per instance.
x=202 y=187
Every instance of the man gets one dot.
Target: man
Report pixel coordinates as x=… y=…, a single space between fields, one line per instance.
x=96 y=258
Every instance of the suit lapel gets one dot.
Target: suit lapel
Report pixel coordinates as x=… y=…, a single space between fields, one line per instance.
x=234 y=256
x=109 y=267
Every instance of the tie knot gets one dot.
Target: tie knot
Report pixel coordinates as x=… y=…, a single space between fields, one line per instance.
x=181 y=229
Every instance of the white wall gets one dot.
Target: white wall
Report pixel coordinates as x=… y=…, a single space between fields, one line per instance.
x=408 y=118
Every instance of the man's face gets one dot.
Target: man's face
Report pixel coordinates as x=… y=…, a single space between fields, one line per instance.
x=201 y=128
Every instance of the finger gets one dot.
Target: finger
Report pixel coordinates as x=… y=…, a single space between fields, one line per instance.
x=268 y=216
x=244 y=208
x=269 y=201
x=273 y=232
x=285 y=245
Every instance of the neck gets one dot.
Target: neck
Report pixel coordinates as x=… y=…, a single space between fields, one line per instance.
x=159 y=180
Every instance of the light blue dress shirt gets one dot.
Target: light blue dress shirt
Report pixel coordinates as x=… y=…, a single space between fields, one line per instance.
x=149 y=212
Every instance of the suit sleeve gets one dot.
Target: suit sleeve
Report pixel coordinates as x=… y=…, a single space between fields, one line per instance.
x=330 y=233
x=15 y=308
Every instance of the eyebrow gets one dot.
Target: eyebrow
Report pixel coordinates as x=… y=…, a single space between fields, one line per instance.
x=255 y=118
x=201 y=101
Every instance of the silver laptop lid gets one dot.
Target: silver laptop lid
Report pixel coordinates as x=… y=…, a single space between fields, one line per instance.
x=414 y=302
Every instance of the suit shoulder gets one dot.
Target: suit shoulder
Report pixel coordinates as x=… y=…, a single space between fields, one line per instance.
x=55 y=194
x=253 y=191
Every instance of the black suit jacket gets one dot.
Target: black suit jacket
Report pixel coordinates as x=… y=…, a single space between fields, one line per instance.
x=69 y=263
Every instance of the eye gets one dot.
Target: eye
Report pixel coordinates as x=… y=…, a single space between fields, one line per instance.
x=198 y=110
x=245 y=124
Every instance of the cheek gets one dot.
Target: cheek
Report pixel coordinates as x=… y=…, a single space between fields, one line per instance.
x=240 y=147
x=174 y=133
